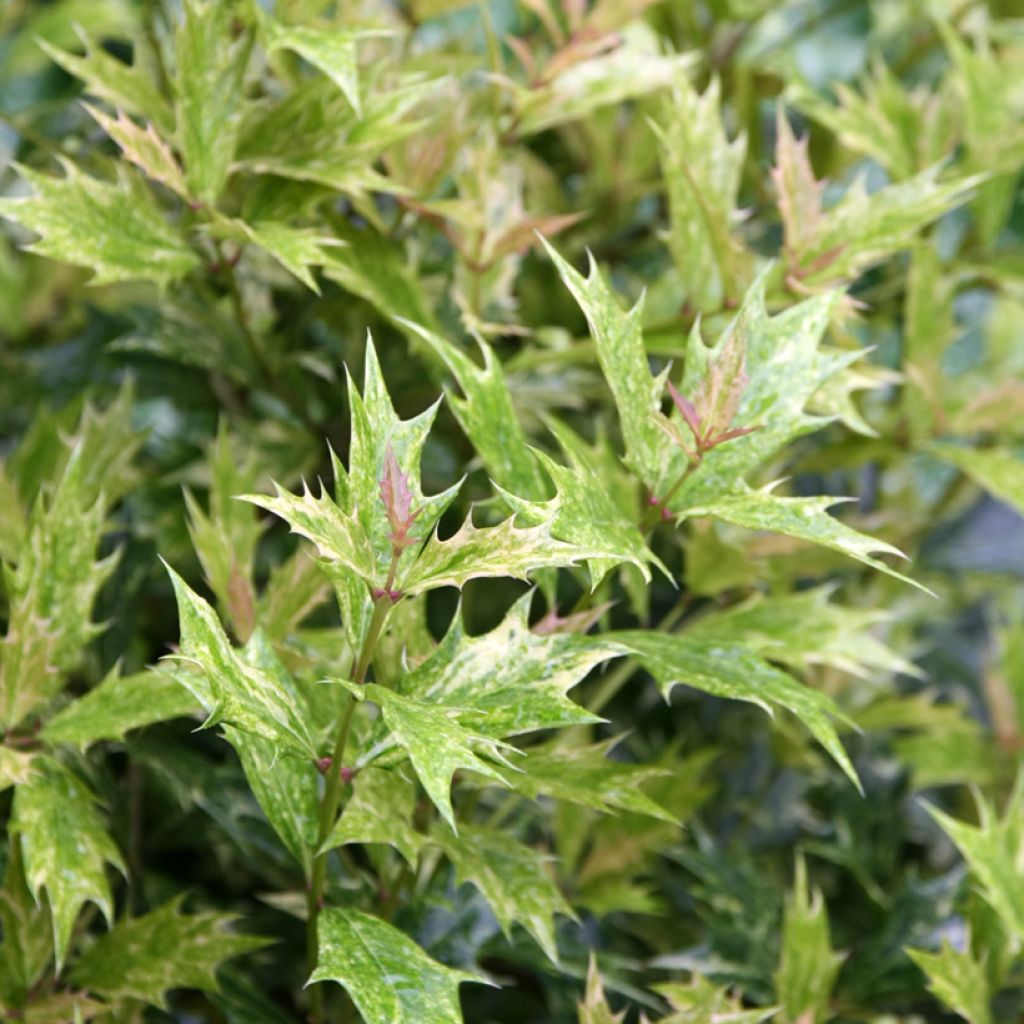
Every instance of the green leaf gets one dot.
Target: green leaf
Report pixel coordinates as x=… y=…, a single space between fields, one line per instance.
x=510 y=680
x=114 y=229
x=390 y=979
x=804 y=629
x=998 y=471
x=702 y=1002
x=594 y=1009
x=27 y=944
x=584 y=513
x=331 y=49
x=587 y=776
x=623 y=359
x=15 y=767
x=807 y=968
x=993 y=852
x=65 y=846
x=143 y=957
x=296 y=249
x=118 y=705
x=804 y=518
x=286 y=790
x=513 y=878
x=958 y=980
x=125 y=86
x=739 y=674
x=239 y=693
x=502 y=550
x=702 y=171
x=436 y=743
x=379 y=810
x=210 y=74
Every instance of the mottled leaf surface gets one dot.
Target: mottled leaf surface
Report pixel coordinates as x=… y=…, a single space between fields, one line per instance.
x=997 y=470
x=958 y=979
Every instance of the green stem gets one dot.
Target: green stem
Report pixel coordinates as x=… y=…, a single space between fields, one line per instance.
x=331 y=801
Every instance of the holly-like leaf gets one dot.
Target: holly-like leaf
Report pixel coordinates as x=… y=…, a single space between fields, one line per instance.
x=737 y=673
x=959 y=980
x=437 y=745
x=65 y=846
x=118 y=705
x=998 y=471
x=125 y=86
x=702 y=1002
x=702 y=170
x=510 y=680
x=236 y=691
x=15 y=767
x=332 y=49
x=512 y=877
x=143 y=957
x=623 y=359
x=379 y=810
x=114 y=229
x=804 y=518
x=808 y=967
x=993 y=850
x=27 y=944
x=587 y=776
x=145 y=148
x=389 y=978
x=804 y=629
x=594 y=1009
x=210 y=71
x=502 y=550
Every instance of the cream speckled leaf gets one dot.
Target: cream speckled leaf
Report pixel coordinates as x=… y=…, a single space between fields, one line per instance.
x=488 y=417
x=702 y=170
x=998 y=471
x=589 y=777
x=298 y=250
x=510 y=680
x=114 y=229
x=804 y=629
x=737 y=673
x=242 y=694
x=210 y=72
x=623 y=359
x=65 y=846
x=436 y=743
x=958 y=979
x=512 y=877
x=501 y=550
x=143 y=957
x=126 y=86
x=118 y=705
x=804 y=518
x=390 y=979
x=379 y=810
x=784 y=366
x=15 y=767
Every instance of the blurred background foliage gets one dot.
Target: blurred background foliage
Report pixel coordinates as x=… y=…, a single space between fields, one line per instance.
x=665 y=138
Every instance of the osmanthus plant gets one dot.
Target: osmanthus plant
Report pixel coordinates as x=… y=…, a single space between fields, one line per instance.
x=449 y=700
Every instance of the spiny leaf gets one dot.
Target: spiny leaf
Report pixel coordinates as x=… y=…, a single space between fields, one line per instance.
x=15 y=767
x=623 y=359
x=379 y=810
x=436 y=743
x=804 y=518
x=737 y=673
x=390 y=979
x=118 y=705
x=512 y=877
x=115 y=230
x=998 y=471
x=510 y=680
x=65 y=845
x=210 y=72
x=239 y=693
x=143 y=957
x=958 y=979
x=594 y=1009
x=807 y=968
x=702 y=1002
x=702 y=170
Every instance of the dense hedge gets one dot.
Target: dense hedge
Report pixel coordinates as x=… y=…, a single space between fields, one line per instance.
x=489 y=377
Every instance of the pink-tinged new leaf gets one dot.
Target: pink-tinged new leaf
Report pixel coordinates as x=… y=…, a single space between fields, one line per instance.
x=686 y=409
x=397 y=498
x=799 y=192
